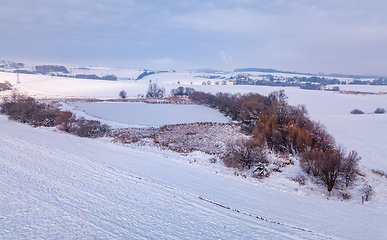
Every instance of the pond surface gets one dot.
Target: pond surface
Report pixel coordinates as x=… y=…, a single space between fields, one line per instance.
x=156 y=115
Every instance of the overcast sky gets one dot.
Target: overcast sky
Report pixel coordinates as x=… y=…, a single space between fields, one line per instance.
x=331 y=36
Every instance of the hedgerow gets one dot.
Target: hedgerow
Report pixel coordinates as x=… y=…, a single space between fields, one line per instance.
x=283 y=128
x=26 y=109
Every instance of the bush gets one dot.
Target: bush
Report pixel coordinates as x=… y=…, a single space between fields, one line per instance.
x=357 y=111
x=122 y=94
x=283 y=128
x=243 y=154
x=178 y=91
x=5 y=86
x=155 y=91
x=380 y=111
x=300 y=179
x=324 y=166
x=261 y=170
x=27 y=110
x=331 y=167
x=91 y=128
x=45 y=116
x=349 y=168
x=65 y=121
x=368 y=192
x=181 y=91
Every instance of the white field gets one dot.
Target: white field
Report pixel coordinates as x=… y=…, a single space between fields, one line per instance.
x=59 y=186
x=148 y=115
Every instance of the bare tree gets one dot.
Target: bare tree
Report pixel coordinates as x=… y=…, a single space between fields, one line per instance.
x=331 y=167
x=155 y=91
x=65 y=121
x=349 y=167
x=324 y=166
x=244 y=153
x=122 y=94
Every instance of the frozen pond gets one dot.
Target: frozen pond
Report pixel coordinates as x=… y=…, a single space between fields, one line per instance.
x=155 y=115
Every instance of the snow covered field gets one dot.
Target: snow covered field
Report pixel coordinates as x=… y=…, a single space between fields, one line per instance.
x=56 y=185
x=59 y=186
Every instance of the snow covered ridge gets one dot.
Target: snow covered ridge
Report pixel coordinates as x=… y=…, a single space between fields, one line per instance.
x=58 y=186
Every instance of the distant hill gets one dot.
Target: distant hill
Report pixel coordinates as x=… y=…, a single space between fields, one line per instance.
x=265 y=70
x=44 y=69
x=270 y=70
x=207 y=70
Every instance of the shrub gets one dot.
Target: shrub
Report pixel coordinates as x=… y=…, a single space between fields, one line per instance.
x=27 y=110
x=368 y=192
x=346 y=195
x=300 y=179
x=178 y=91
x=91 y=128
x=349 y=167
x=5 y=86
x=283 y=128
x=331 y=167
x=7 y=102
x=65 y=121
x=155 y=91
x=324 y=166
x=357 y=111
x=122 y=94
x=181 y=91
x=261 y=170
x=243 y=154
x=45 y=116
x=380 y=111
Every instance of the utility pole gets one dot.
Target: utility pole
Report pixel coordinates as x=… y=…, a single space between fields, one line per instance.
x=17 y=74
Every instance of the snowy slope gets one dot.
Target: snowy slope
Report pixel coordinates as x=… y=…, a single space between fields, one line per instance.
x=55 y=185
x=366 y=134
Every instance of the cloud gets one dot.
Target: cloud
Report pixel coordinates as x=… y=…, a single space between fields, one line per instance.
x=162 y=62
x=226 y=58
x=302 y=35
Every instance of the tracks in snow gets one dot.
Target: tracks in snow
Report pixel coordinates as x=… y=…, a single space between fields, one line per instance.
x=255 y=216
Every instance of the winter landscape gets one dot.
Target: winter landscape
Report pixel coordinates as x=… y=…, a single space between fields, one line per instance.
x=58 y=185
x=193 y=119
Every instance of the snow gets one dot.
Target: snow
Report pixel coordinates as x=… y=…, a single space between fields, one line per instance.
x=146 y=115
x=56 y=185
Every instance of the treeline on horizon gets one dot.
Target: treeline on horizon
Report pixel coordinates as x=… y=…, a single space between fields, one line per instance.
x=270 y=70
x=51 y=69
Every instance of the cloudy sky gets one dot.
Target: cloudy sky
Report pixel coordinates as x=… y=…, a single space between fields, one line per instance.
x=331 y=36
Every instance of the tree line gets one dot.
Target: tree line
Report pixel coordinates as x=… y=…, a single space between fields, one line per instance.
x=274 y=124
x=27 y=110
